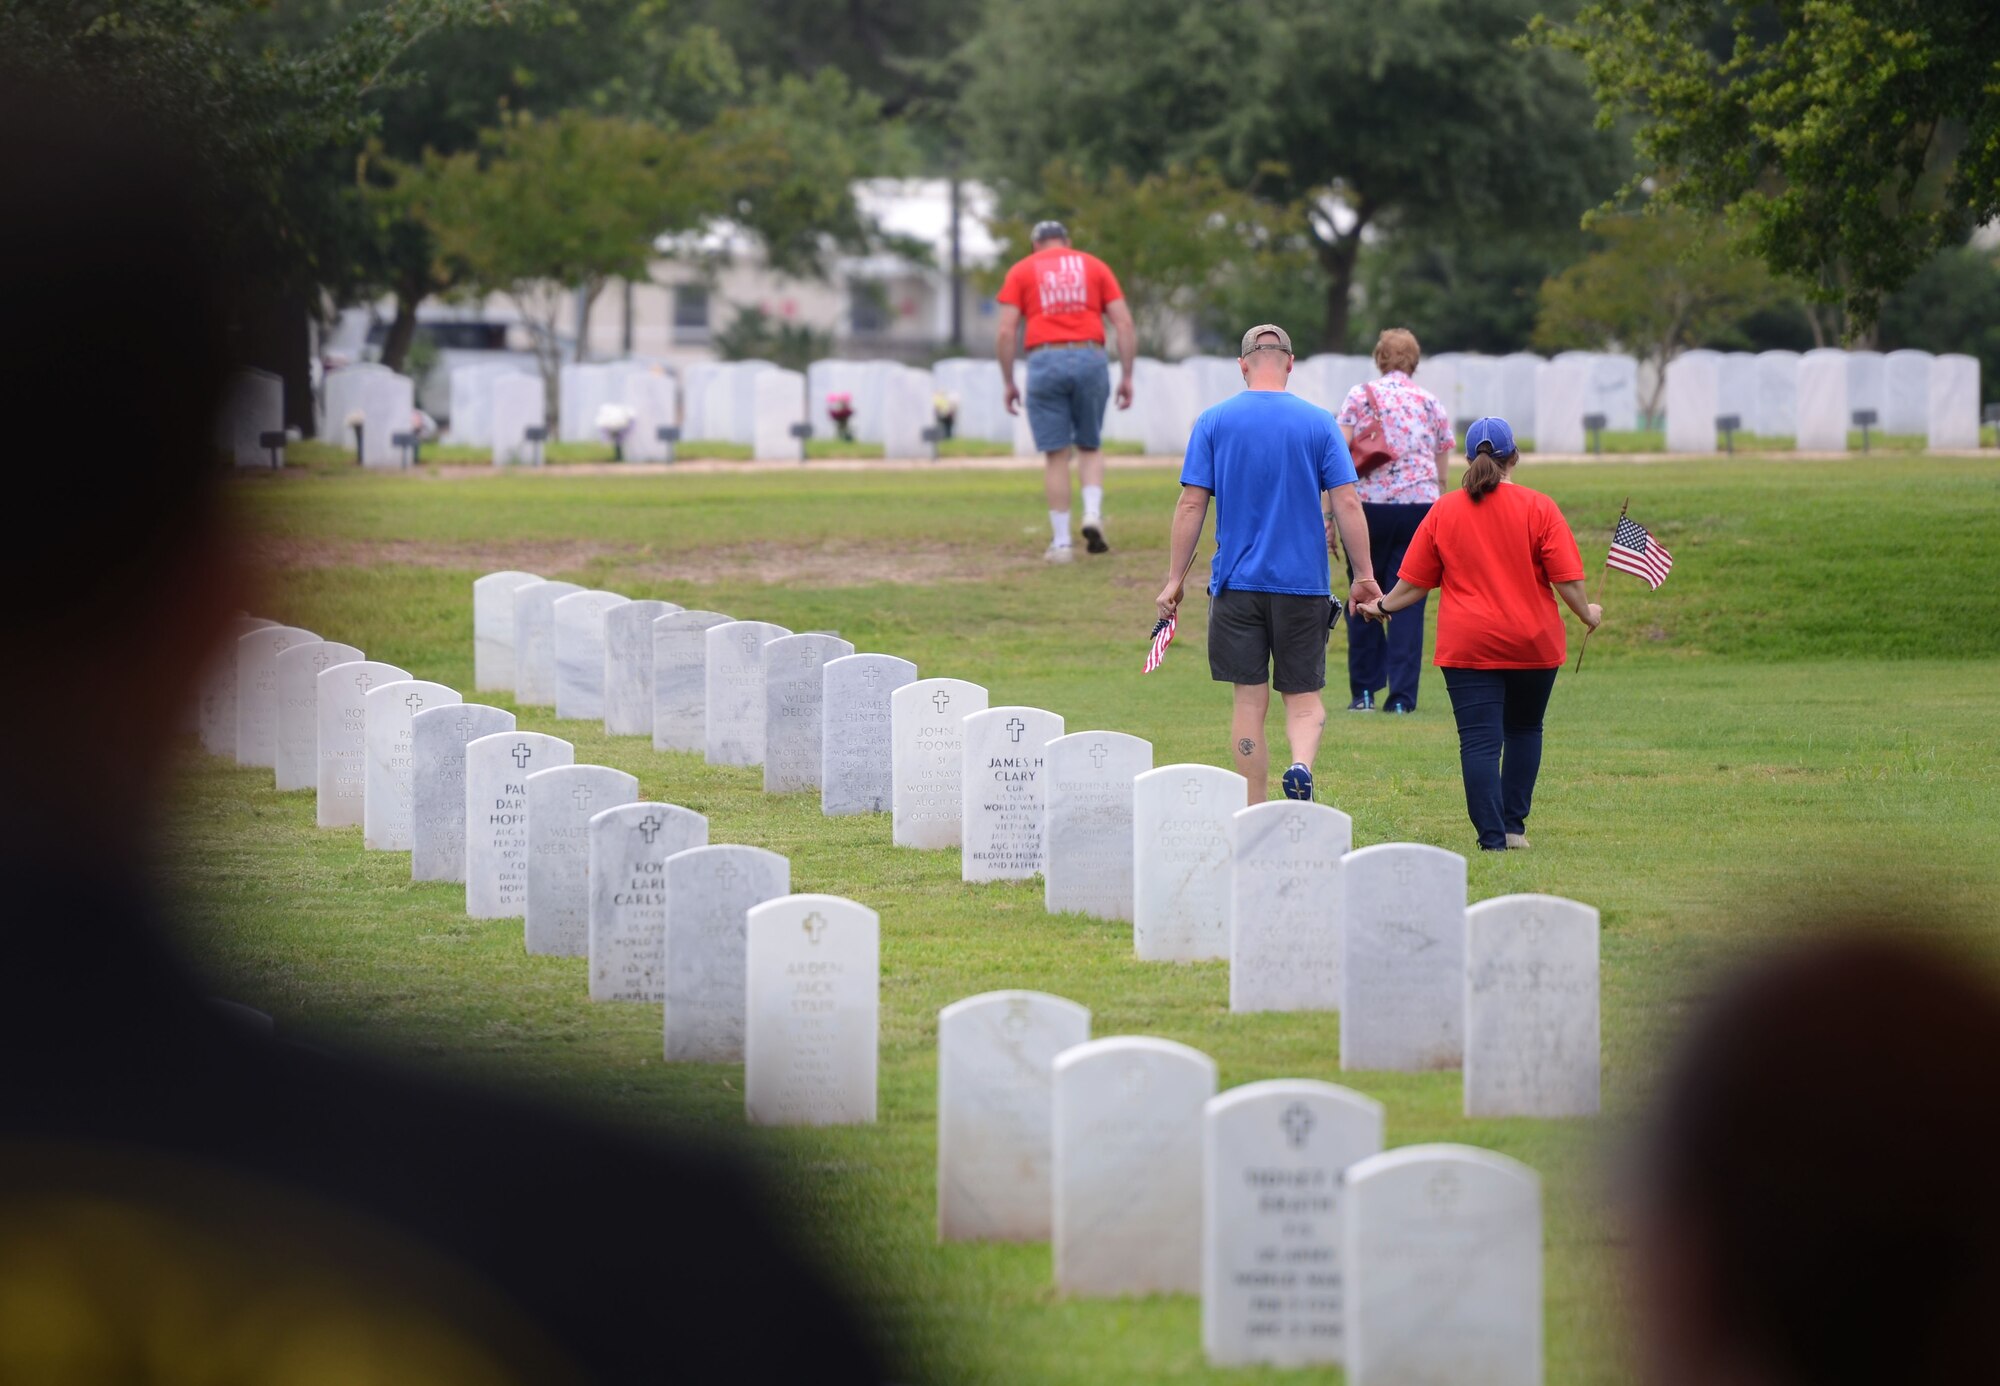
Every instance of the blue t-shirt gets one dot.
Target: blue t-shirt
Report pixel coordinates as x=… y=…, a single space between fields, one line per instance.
x=1267 y=455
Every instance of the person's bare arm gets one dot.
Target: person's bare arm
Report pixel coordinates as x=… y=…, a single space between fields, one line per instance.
x=1120 y=314
x=1190 y=514
x=1574 y=597
x=1403 y=594
x=1347 y=433
x=1345 y=508
x=1444 y=468
x=1003 y=349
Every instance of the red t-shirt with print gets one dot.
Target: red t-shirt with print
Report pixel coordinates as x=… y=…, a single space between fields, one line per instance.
x=1495 y=561
x=1062 y=293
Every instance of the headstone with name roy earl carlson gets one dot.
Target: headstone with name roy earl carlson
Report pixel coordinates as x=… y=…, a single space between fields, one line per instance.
x=438 y=738
x=710 y=893
x=857 y=772
x=561 y=803
x=629 y=847
x=496 y=817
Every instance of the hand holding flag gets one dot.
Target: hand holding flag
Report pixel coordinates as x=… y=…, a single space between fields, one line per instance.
x=1170 y=614
x=1634 y=551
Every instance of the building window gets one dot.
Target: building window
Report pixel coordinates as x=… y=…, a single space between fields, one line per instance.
x=691 y=312
x=868 y=308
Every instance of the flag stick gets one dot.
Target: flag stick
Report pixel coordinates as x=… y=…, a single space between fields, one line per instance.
x=1582 y=648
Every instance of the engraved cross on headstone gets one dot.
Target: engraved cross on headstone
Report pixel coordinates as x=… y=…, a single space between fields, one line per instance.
x=363 y=679
x=464 y=725
x=1015 y=726
x=725 y=873
x=1098 y=755
x=320 y=661
x=1443 y=1191
x=1017 y=1019
x=1298 y=1123
x=814 y=925
x=750 y=642
x=1192 y=788
x=1135 y=1079
x=940 y=700
x=1533 y=927
x=581 y=796
x=414 y=702
x=1405 y=873
x=808 y=656
x=523 y=753
x=871 y=676
x=1295 y=827
x=649 y=827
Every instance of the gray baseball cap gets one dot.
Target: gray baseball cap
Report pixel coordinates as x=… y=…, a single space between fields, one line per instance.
x=1250 y=338
x=1048 y=231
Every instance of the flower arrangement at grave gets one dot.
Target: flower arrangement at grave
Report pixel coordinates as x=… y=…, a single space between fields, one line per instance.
x=944 y=404
x=614 y=421
x=840 y=408
x=357 y=423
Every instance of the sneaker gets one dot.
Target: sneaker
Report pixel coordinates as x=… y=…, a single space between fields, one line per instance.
x=1518 y=842
x=1299 y=782
x=1093 y=535
x=1399 y=707
x=1058 y=553
x=1363 y=703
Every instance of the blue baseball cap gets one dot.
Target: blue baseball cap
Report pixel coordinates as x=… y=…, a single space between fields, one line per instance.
x=1489 y=435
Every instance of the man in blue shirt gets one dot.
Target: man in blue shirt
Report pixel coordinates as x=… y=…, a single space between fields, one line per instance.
x=1282 y=480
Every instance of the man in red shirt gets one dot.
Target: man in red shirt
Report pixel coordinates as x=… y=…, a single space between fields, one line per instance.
x=1066 y=295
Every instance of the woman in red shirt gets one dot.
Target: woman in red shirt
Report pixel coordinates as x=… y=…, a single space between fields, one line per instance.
x=1496 y=549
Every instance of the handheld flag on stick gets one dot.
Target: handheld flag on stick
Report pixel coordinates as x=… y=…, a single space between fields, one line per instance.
x=1163 y=630
x=1634 y=551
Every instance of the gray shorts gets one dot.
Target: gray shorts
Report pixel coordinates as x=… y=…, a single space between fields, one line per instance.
x=1068 y=388
x=1277 y=638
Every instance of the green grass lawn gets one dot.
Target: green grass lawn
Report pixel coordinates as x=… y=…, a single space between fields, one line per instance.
x=1805 y=707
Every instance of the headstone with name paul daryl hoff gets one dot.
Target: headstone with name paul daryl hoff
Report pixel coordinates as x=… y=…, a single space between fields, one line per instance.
x=496 y=817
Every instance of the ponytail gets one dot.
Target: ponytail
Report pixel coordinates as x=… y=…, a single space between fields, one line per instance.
x=1484 y=472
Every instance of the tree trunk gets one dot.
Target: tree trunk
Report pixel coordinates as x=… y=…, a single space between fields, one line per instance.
x=403 y=328
x=1336 y=258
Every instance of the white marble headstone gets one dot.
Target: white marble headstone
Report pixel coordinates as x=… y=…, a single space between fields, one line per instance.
x=1127 y=1166
x=386 y=403
x=733 y=676
x=680 y=682
x=1954 y=403
x=257 y=690
x=1004 y=794
x=342 y=777
x=1284 y=907
x=535 y=641
x=1087 y=823
x=438 y=738
x=1694 y=398
x=299 y=669
x=561 y=803
x=1531 y=1008
x=813 y=997
x=1562 y=387
x=1274 y=1154
x=388 y=789
x=1777 y=412
x=1441 y=1255
x=1906 y=392
x=996 y=1075
x=493 y=629
x=628 y=666
x=520 y=402
x=926 y=760
x=710 y=892
x=579 y=636
x=253 y=406
x=1823 y=417
x=1402 y=961
x=856 y=751
x=1517 y=391
x=215 y=708
x=781 y=402
x=629 y=847
x=1864 y=382
x=794 y=708
x=496 y=818
x=1181 y=830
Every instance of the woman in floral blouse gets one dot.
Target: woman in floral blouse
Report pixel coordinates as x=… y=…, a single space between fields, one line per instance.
x=1395 y=498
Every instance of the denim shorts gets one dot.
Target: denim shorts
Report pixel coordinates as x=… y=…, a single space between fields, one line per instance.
x=1068 y=388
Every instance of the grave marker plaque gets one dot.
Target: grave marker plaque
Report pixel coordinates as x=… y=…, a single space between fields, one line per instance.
x=629 y=847
x=680 y=681
x=496 y=818
x=1531 y=1008
x=812 y=1001
x=734 y=679
x=579 y=633
x=493 y=628
x=215 y=706
x=710 y=892
x=1402 y=962
x=299 y=668
x=561 y=803
x=257 y=691
x=1004 y=794
x=628 y=666
x=535 y=641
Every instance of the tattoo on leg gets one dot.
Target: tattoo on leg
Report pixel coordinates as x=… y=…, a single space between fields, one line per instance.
x=1246 y=747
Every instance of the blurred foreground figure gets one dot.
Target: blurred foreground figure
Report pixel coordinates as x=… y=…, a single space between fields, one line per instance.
x=183 y=1199
x=1819 y=1206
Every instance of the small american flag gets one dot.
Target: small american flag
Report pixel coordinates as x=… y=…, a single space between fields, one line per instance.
x=1163 y=636
x=1635 y=551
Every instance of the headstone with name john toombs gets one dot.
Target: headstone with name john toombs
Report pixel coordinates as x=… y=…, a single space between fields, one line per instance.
x=629 y=847
x=927 y=759
x=813 y=999
x=1005 y=792
x=438 y=738
x=343 y=737
x=496 y=818
x=561 y=803
x=856 y=756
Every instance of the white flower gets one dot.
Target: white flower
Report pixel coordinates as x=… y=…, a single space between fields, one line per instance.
x=613 y=418
x=355 y=418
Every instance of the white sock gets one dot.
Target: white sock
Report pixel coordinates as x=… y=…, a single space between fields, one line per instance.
x=1059 y=527
x=1093 y=503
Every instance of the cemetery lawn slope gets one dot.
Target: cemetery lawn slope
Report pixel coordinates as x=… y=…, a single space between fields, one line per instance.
x=1805 y=705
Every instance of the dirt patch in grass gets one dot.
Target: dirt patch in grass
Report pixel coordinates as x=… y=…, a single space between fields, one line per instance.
x=831 y=564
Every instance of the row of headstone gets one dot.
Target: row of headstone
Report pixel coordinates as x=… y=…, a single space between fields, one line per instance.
x=1819 y=397
x=1273 y=1201
x=252 y=409
x=368 y=405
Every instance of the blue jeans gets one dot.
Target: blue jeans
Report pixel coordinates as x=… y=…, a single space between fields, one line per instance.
x=1068 y=388
x=1394 y=659
x=1499 y=714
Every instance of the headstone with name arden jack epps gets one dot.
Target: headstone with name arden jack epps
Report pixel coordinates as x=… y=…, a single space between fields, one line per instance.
x=812 y=1011
x=927 y=768
x=996 y=1074
x=794 y=708
x=257 y=691
x=343 y=737
x=299 y=668
x=561 y=803
x=579 y=640
x=387 y=810
x=535 y=640
x=856 y=751
x=628 y=666
x=493 y=629
x=734 y=676
x=1441 y=1259
x=1087 y=832
x=438 y=738
x=1181 y=832
x=1004 y=794
x=629 y=847
x=1274 y=1153
x=1531 y=1008
x=680 y=683
x=496 y=818
x=1284 y=906
x=1402 y=962
x=710 y=893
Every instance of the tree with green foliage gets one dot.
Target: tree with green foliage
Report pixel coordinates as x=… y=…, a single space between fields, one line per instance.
x=1661 y=284
x=1850 y=140
x=1951 y=304
x=1356 y=118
